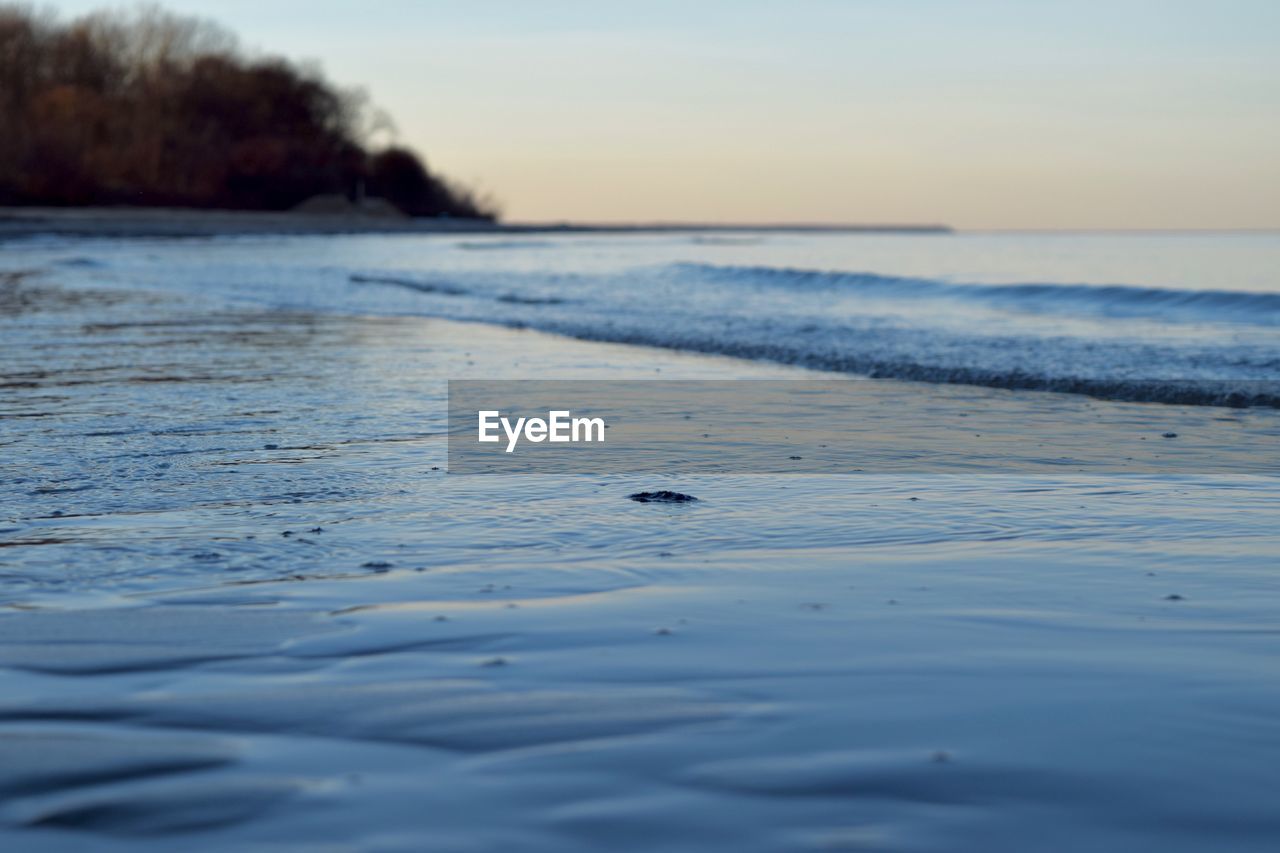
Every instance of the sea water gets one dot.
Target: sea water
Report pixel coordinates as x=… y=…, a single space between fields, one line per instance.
x=244 y=603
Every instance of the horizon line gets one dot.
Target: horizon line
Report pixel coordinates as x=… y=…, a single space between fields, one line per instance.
x=887 y=227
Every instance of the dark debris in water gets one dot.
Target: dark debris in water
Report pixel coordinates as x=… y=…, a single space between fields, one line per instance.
x=517 y=299
x=662 y=497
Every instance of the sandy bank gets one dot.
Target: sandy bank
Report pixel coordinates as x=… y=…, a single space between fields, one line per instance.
x=184 y=222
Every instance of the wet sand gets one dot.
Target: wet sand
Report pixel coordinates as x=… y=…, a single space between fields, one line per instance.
x=243 y=605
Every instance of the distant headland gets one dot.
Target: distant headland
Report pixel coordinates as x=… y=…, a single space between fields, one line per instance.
x=149 y=109
x=186 y=222
x=144 y=123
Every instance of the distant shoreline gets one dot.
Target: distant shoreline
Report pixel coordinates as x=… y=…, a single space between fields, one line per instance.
x=187 y=222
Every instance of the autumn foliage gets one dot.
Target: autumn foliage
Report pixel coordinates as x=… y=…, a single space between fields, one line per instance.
x=151 y=108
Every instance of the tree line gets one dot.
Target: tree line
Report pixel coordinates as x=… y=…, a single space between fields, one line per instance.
x=146 y=107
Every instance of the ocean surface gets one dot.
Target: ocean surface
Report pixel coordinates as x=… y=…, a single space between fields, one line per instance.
x=244 y=606
x=1174 y=318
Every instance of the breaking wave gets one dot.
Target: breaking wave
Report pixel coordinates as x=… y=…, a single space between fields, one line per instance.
x=1110 y=300
x=1133 y=343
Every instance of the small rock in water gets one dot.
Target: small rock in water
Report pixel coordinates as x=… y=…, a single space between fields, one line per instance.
x=270 y=447
x=663 y=497
x=376 y=565
x=1169 y=435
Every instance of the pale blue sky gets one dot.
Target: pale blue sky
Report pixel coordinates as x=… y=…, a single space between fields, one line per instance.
x=1030 y=114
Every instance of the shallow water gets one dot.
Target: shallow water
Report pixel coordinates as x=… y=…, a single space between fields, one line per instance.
x=244 y=605
x=1169 y=318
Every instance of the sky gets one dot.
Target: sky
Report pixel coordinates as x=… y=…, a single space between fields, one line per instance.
x=986 y=114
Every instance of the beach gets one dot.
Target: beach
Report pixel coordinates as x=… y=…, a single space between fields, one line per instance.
x=243 y=604
x=335 y=216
